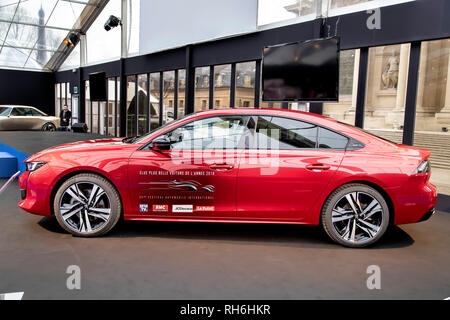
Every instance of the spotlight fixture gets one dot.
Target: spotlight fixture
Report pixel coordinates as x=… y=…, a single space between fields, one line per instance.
x=112 y=22
x=72 y=40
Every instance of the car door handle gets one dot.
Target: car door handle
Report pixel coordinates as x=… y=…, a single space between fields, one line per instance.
x=222 y=166
x=318 y=166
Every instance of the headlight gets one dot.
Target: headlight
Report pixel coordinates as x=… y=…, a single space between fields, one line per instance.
x=423 y=167
x=34 y=165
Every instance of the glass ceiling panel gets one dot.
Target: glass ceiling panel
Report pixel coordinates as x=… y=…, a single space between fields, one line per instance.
x=20 y=35
x=38 y=59
x=73 y=60
x=31 y=28
x=11 y=57
x=3 y=29
x=7 y=8
x=29 y=11
x=66 y=14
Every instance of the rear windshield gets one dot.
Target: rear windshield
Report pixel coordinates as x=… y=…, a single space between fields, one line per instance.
x=368 y=132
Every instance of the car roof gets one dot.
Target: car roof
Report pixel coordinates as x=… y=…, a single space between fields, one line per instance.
x=306 y=116
x=16 y=106
x=320 y=120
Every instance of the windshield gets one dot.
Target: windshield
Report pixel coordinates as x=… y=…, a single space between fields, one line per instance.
x=4 y=111
x=145 y=136
x=368 y=132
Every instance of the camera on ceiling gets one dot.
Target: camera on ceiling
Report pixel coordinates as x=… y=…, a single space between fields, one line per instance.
x=112 y=22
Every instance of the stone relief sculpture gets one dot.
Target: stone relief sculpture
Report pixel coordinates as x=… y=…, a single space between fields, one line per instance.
x=389 y=77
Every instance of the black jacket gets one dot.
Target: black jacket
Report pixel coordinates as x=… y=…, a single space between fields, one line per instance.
x=66 y=117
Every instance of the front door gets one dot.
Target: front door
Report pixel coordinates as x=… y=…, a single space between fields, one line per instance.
x=287 y=168
x=196 y=178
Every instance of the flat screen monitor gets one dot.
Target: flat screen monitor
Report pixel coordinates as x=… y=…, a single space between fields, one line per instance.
x=303 y=71
x=97 y=86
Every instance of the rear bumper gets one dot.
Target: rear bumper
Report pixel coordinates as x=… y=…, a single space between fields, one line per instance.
x=416 y=204
x=427 y=215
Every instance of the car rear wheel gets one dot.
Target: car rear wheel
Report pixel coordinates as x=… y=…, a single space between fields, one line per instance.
x=49 y=127
x=87 y=205
x=355 y=215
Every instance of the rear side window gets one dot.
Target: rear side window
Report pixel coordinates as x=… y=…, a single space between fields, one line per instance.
x=285 y=134
x=331 y=140
x=4 y=111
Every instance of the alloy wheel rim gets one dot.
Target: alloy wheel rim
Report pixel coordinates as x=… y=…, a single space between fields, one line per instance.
x=85 y=207
x=49 y=127
x=357 y=217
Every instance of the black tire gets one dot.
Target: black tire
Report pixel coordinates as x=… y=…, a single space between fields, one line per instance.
x=48 y=127
x=109 y=196
x=379 y=216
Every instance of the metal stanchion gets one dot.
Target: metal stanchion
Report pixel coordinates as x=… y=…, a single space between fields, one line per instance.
x=9 y=181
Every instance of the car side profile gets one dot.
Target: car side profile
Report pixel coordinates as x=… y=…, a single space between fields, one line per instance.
x=239 y=166
x=26 y=118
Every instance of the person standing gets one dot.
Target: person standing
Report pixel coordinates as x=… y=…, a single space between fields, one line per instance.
x=65 y=115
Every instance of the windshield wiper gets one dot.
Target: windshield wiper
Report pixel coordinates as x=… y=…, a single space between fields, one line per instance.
x=130 y=139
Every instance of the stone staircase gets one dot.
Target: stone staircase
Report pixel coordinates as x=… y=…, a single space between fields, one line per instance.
x=437 y=142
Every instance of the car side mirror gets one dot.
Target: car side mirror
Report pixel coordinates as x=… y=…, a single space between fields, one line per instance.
x=161 y=143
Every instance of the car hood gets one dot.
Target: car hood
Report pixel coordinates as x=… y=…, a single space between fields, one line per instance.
x=97 y=145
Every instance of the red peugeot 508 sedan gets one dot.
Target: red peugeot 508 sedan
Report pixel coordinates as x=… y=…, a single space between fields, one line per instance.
x=235 y=165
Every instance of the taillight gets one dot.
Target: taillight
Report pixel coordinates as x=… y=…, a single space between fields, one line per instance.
x=423 y=167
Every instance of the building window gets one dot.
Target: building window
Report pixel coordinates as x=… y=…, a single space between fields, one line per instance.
x=245 y=84
x=344 y=110
x=168 y=93
x=142 y=103
x=131 y=105
x=386 y=91
x=87 y=102
x=201 y=88
x=222 y=84
x=181 y=91
x=432 y=125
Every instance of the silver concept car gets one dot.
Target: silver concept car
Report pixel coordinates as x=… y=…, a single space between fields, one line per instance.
x=26 y=118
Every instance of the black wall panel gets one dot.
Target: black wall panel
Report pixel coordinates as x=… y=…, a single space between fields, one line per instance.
x=35 y=89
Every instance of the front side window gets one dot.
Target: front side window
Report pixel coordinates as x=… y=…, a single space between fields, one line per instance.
x=37 y=113
x=219 y=133
x=284 y=134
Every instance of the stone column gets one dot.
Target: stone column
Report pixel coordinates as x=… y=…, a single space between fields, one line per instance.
x=355 y=80
x=446 y=108
x=422 y=76
x=402 y=77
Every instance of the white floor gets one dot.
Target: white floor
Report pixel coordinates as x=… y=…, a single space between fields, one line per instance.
x=441 y=179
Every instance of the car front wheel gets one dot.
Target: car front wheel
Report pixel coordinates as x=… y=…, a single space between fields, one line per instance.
x=355 y=215
x=87 y=205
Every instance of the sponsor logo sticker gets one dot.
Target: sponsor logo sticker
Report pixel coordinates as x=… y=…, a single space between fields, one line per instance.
x=182 y=208
x=143 y=207
x=204 y=208
x=160 y=207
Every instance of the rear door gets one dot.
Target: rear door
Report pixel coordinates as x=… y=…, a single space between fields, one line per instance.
x=196 y=178
x=20 y=119
x=289 y=164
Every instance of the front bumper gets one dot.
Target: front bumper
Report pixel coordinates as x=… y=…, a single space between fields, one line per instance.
x=23 y=194
x=35 y=189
